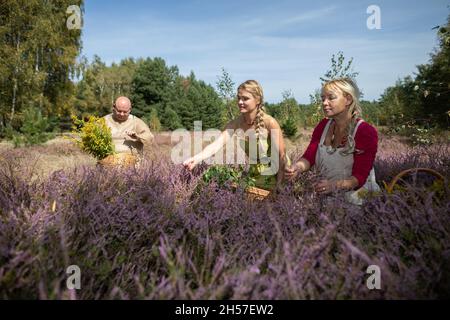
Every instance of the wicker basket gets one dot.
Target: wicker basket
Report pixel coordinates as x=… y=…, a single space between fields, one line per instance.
x=397 y=178
x=123 y=160
x=254 y=193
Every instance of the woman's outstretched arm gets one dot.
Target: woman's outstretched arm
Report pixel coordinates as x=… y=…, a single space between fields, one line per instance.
x=210 y=149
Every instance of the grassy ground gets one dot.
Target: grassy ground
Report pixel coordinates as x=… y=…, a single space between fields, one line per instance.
x=61 y=153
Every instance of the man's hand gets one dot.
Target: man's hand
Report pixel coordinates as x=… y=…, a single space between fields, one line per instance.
x=132 y=135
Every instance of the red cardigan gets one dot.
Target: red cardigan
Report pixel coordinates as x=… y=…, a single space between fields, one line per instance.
x=366 y=140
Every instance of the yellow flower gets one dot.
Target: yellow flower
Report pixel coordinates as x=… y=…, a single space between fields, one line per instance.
x=95 y=137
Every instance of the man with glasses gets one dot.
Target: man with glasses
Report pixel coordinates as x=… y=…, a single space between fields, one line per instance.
x=129 y=133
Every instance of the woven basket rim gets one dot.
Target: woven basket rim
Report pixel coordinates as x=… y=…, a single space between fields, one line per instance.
x=118 y=159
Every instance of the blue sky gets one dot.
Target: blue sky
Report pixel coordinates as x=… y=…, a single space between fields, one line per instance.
x=285 y=45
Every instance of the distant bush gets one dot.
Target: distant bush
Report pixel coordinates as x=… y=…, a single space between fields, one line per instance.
x=33 y=130
x=153 y=121
x=289 y=128
x=417 y=133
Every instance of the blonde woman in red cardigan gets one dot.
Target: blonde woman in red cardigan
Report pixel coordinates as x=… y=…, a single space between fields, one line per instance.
x=343 y=146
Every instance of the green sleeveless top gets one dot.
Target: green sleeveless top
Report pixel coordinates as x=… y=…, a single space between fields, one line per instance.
x=261 y=168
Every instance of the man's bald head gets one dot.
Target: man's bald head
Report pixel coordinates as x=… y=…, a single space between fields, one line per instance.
x=121 y=109
x=123 y=102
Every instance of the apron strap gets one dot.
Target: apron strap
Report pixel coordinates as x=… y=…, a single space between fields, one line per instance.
x=325 y=130
x=356 y=127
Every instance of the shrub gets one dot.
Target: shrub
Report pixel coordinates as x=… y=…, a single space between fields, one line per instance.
x=289 y=128
x=153 y=121
x=221 y=175
x=33 y=130
x=95 y=137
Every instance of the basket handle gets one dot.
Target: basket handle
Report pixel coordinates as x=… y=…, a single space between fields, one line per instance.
x=390 y=186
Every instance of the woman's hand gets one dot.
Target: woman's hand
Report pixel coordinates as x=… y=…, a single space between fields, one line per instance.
x=189 y=164
x=292 y=171
x=325 y=186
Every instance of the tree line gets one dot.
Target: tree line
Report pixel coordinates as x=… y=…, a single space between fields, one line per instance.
x=44 y=80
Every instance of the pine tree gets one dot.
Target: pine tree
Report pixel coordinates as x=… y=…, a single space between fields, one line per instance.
x=152 y=86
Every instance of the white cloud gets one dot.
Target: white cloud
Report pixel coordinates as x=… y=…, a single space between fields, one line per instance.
x=310 y=15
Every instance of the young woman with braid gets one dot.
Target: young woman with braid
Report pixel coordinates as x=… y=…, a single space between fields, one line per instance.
x=343 y=146
x=262 y=140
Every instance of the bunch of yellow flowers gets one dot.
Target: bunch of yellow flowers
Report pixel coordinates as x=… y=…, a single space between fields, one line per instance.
x=94 y=136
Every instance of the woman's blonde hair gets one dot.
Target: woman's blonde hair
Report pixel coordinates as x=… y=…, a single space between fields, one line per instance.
x=256 y=91
x=349 y=88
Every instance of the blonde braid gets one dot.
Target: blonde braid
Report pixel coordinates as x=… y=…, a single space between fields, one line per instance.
x=351 y=144
x=259 y=120
x=256 y=90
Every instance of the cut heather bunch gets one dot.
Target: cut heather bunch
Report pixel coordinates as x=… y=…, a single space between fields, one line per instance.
x=95 y=136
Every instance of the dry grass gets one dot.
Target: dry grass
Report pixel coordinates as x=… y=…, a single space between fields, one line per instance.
x=41 y=161
x=61 y=153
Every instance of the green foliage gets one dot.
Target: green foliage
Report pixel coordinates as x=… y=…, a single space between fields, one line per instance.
x=159 y=87
x=171 y=120
x=153 y=121
x=34 y=127
x=224 y=174
x=194 y=100
x=38 y=56
x=372 y=112
x=220 y=175
x=316 y=106
x=227 y=92
x=400 y=104
x=289 y=128
x=101 y=84
x=433 y=82
x=14 y=136
x=289 y=113
x=424 y=99
x=339 y=69
x=95 y=137
x=33 y=130
x=206 y=105
x=152 y=86
x=422 y=136
x=416 y=132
